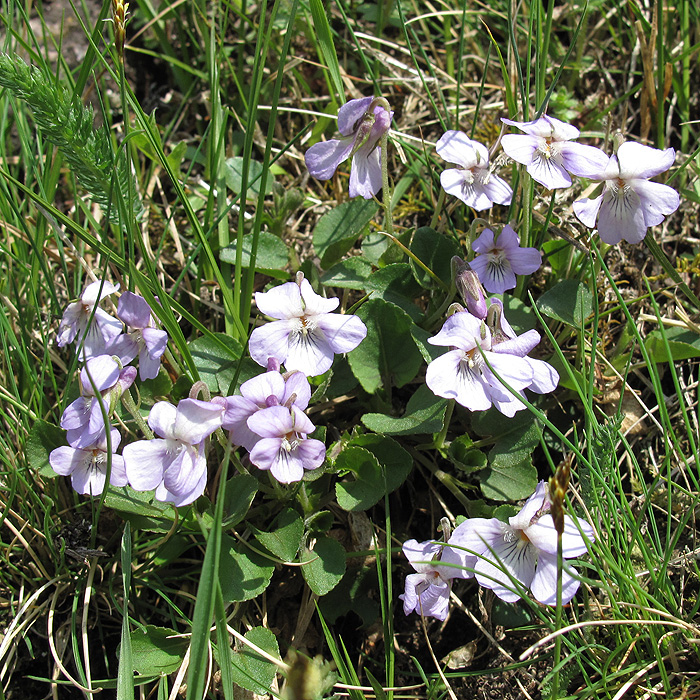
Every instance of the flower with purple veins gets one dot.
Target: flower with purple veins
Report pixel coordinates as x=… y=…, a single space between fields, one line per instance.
x=551 y=155
x=524 y=550
x=174 y=464
x=83 y=419
x=473 y=181
x=144 y=341
x=361 y=124
x=504 y=340
x=87 y=467
x=630 y=203
x=284 y=447
x=264 y=391
x=499 y=260
x=427 y=592
x=307 y=335
x=85 y=322
x=463 y=374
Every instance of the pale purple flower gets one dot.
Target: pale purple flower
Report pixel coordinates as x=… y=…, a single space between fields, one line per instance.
x=174 y=465
x=549 y=152
x=76 y=325
x=524 y=550
x=427 y=592
x=284 y=448
x=472 y=181
x=307 y=334
x=265 y=390
x=463 y=374
x=630 y=203
x=499 y=260
x=83 y=419
x=87 y=466
x=361 y=124
x=504 y=341
x=144 y=340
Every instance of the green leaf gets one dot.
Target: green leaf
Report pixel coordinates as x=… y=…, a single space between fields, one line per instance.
x=388 y=354
x=338 y=229
x=510 y=475
x=435 y=251
x=425 y=413
x=43 y=438
x=520 y=316
x=250 y=670
x=243 y=573
x=155 y=652
x=428 y=351
x=395 y=283
x=325 y=565
x=322 y=32
x=465 y=457
x=240 y=491
x=348 y=274
x=683 y=344
x=233 y=172
x=284 y=540
x=368 y=485
x=569 y=301
x=272 y=255
x=141 y=509
x=397 y=462
x=216 y=357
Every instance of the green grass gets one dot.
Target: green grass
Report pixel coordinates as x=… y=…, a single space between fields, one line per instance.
x=143 y=173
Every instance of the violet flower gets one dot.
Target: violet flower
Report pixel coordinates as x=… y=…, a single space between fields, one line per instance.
x=472 y=181
x=307 y=335
x=462 y=373
x=76 y=324
x=499 y=260
x=83 y=419
x=361 y=124
x=174 y=465
x=87 y=467
x=549 y=152
x=504 y=340
x=427 y=592
x=265 y=390
x=284 y=448
x=630 y=203
x=525 y=550
x=145 y=340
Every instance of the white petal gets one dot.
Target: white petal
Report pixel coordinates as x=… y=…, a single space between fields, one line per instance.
x=544 y=377
x=508 y=560
x=92 y=294
x=145 y=461
x=162 y=419
x=587 y=210
x=449 y=376
x=549 y=172
x=315 y=303
x=366 y=172
x=583 y=161
x=640 y=161
x=544 y=583
x=309 y=352
x=520 y=147
x=281 y=302
x=421 y=554
x=344 y=332
x=456 y=147
x=196 y=420
x=498 y=190
x=657 y=200
x=621 y=217
x=272 y=340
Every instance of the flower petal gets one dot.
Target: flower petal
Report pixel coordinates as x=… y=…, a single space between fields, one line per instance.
x=162 y=419
x=525 y=261
x=98 y=290
x=324 y=157
x=309 y=352
x=145 y=461
x=507 y=561
x=184 y=474
x=281 y=302
x=583 y=161
x=549 y=171
x=272 y=340
x=456 y=147
x=587 y=210
x=520 y=148
x=351 y=112
x=134 y=310
x=421 y=554
x=314 y=303
x=657 y=200
x=640 y=161
x=621 y=217
x=297 y=385
x=196 y=420
x=343 y=332
x=498 y=190
x=274 y=422
x=366 y=172
x=544 y=582
x=449 y=377
x=101 y=372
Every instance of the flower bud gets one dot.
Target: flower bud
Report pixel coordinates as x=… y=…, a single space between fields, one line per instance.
x=469 y=286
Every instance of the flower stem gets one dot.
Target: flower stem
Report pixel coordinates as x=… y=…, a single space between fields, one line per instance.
x=440 y=437
x=386 y=191
x=130 y=405
x=558 y=620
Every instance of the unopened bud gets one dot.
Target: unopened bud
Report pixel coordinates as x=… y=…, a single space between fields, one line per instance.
x=273 y=364
x=469 y=286
x=558 y=484
x=364 y=129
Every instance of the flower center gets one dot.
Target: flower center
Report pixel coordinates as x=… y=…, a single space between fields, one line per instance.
x=290 y=441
